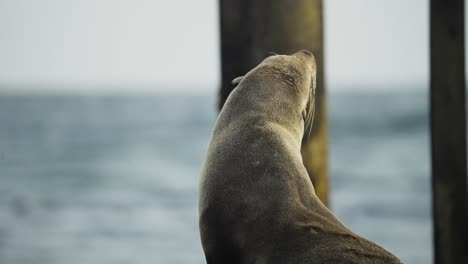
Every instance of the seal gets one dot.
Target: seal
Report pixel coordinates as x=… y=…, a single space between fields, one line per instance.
x=256 y=201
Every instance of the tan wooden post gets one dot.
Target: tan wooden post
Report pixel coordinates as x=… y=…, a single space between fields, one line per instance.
x=250 y=30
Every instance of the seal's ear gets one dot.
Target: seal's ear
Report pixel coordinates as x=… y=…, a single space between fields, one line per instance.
x=237 y=80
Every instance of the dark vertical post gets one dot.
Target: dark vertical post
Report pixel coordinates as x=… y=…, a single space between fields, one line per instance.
x=448 y=131
x=250 y=29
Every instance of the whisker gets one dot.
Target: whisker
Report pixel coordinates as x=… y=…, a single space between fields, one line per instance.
x=272 y=53
x=311 y=122
x=310 y=116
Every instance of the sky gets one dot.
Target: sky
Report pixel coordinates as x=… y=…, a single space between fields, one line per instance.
x=174 y=45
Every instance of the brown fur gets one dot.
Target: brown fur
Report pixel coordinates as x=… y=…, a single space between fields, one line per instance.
x=256 y=202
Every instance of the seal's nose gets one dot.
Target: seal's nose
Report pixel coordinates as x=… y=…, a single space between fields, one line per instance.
x=306 y=52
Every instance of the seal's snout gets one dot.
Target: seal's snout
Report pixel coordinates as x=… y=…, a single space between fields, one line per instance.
x=306 y=56
x=306 y=52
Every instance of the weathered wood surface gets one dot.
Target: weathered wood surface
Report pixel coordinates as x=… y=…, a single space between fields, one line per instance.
x=250 y=30
x=448 y=131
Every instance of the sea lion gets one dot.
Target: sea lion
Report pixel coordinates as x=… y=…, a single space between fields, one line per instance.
x=256 y=201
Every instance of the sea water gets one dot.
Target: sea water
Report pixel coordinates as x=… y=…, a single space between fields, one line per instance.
x=113 y=179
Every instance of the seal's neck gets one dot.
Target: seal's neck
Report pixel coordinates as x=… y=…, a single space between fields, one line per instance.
x=265 y=104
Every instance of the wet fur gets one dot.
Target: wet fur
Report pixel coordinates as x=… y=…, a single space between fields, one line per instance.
x=256 y=201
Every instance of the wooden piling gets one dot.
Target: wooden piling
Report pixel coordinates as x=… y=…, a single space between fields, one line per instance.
x=250 y=29
x=448 y=131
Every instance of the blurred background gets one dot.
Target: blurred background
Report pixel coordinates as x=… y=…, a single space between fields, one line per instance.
x=107 y=106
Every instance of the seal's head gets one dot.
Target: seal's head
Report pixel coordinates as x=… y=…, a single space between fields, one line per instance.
x=285 y=82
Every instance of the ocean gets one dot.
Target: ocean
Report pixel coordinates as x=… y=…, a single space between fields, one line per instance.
x=113 y=179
